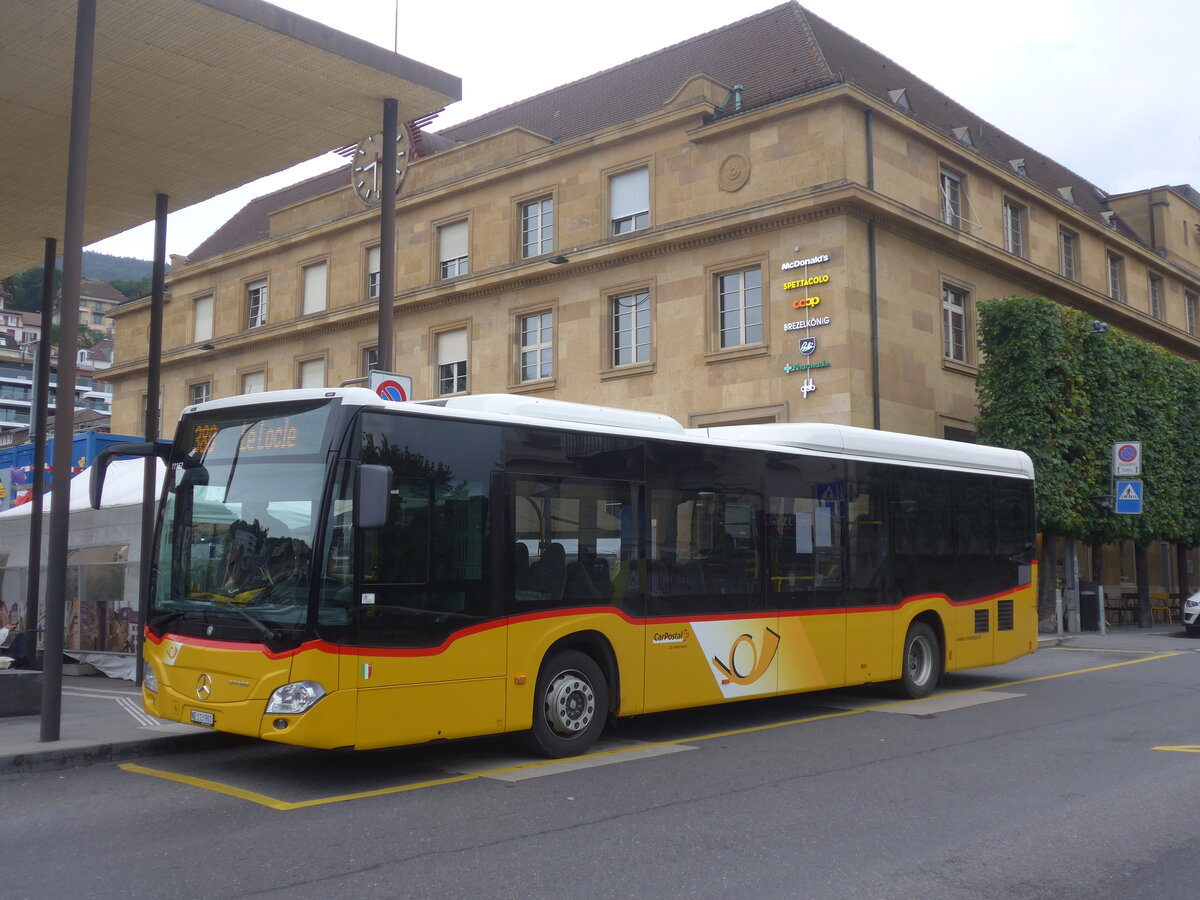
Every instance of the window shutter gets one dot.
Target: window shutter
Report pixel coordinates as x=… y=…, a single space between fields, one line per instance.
x=315 y=278
x=452 y=240
x=204 y=318
x=630 y=193
x=452 y=346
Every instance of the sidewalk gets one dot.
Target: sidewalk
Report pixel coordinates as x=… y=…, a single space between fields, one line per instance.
x=102 y=719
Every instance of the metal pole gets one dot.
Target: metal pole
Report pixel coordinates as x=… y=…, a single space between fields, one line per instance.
x=68 y=337
x=41 y=400
x=153 y=388
x=387 y=238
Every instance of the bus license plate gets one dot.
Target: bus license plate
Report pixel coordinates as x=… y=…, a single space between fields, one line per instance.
x=200 y=717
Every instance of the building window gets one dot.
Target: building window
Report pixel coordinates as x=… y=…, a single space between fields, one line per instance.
x=311 y=374
x=256 y=304
x=739 y=308
x=452 y=361
x=1156 y=297
x=201 y=392
x=370 y=360
x=630 y=316
x=1190 y=302
x=954 y=323
x=373 y=273
x=202 y=319
x=1067 y=263
x=1116 y=279
x=537 y=346
x=97 y=319
x=452 y=249
x=629 y=200
x=254 y=382
x=537 y=227
x=1014 y=228
x=316 y=281
x=951 y=187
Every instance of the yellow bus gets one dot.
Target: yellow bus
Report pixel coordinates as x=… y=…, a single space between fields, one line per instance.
x=339 y=571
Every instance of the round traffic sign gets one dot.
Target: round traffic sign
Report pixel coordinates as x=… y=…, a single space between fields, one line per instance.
x=1127 y=453
x=391 y=390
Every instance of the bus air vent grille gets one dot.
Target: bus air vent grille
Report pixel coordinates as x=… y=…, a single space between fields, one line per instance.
x=1004 y=615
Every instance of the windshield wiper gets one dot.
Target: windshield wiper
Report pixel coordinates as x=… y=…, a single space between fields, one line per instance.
x=268 y=633
x=165 y=619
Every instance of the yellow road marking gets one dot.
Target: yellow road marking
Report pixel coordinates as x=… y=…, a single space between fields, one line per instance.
x=1184 y=748
x=283 y=805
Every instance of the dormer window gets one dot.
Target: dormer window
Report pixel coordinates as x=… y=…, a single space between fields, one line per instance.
x=964 y=135
x=900 y=98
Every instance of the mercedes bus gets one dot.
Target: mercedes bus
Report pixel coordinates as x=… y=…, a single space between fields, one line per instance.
x=334 y=570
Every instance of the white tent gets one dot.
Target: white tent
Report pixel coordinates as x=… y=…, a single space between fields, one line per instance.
x=103 y=560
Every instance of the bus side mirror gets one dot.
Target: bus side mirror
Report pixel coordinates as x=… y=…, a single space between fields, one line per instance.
x=162 y=450
x=372 y=488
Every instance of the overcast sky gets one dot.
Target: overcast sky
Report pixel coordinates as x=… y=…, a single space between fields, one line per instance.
x=1107 y=88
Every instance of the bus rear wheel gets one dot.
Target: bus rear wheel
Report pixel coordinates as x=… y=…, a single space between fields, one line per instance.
x=570 y=706
x=922 y=662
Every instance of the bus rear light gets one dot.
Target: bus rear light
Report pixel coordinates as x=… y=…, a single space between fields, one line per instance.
x=295 y=698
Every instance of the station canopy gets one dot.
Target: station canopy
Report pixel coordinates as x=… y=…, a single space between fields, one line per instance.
x=190 y=98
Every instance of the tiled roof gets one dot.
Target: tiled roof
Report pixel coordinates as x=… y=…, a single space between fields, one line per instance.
x=782 y=52
x=252 y=222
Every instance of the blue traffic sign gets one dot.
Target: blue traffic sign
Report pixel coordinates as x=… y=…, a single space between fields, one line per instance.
x=1129 y=498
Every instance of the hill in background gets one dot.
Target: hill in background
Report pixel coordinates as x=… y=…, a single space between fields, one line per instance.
x=129 y=276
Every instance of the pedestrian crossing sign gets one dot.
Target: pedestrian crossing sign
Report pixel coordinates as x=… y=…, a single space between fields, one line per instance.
x=1129 y=498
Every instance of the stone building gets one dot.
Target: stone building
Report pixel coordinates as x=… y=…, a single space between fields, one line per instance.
x=768 y=222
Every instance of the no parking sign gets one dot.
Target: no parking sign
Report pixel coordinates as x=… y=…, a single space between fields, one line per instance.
x=391 y=386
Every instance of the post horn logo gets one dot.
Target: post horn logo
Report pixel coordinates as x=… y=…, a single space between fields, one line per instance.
x=204 y=686
x=736 y=671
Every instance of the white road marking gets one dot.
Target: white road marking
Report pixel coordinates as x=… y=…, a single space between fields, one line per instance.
x=606 y=752
x=939 y=703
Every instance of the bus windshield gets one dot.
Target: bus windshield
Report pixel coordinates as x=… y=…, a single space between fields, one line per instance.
x=236 y=546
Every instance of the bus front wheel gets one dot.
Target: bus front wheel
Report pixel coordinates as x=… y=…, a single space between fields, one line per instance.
x=922 y=662
x=570 y=706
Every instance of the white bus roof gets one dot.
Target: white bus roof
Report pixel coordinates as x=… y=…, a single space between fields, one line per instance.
x=812 y=437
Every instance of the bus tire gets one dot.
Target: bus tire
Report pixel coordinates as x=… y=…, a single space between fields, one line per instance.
x=921 y=662
x=570 y=706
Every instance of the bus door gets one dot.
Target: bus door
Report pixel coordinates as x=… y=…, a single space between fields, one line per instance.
x=709 y=636
x=805 y=583
x=431 y=644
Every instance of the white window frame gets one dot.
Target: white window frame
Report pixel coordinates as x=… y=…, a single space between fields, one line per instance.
x=204 y=395
x=953 y=189
x=373 y=273
x=315 y=279
x=536 y=346
x=1155 y=290
x=537 y=227
x=451 y=349
x=735 y=298
x=453 y=252
x=1014 y=227
x=1068 y=258
x=629 y=328
x=257 y=301
x=1114 y=265
x=629 y=200
x=955 y=301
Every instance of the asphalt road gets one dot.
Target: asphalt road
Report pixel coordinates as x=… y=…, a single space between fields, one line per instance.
x=1065 y=774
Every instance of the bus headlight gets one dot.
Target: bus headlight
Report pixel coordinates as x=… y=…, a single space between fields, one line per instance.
x=295 y=698
x=149 y=679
